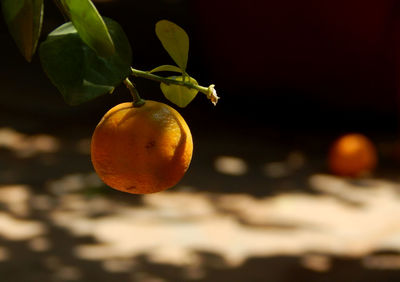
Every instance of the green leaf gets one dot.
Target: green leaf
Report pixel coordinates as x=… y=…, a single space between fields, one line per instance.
x=169 y=68
x=175 y=40
x=90 y=26
x=77 y=71
x=24 y=20
x=177 y=94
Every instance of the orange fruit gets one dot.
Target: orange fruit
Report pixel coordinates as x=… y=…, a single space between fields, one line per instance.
x=143 y=149
x=352 y=155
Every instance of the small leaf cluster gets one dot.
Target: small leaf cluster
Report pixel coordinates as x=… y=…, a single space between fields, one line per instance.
x=176 y=41
x=90 y=55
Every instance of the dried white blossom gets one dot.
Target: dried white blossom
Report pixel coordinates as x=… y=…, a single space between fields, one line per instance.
x=212 y=94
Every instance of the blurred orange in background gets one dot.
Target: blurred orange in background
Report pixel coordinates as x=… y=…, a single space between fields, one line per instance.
x=352 y=155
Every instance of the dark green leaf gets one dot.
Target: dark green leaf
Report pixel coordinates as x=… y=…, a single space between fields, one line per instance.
x=175 y=40
x=177 y=94
x=90 y=26
x=24 y=20
x=76 y=70
x=169 y=68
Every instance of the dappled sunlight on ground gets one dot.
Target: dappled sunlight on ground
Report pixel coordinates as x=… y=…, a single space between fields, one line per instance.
x=348 y=218
x=18 y=229
x=230 y=165
x=61 y=222
x=27 y=146
x=277 y=169
x=171 y=227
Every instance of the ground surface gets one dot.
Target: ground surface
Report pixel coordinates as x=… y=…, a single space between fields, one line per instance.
x=251 y=208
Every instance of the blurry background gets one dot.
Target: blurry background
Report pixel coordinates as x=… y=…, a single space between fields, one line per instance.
x=258 y=203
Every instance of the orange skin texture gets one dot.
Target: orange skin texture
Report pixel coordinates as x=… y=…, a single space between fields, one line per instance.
x=352 y=155
x=141 y=150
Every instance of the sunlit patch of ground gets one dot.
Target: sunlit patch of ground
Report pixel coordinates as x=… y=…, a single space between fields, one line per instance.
x=27 y=146
x=351 y=219
x=18 y=229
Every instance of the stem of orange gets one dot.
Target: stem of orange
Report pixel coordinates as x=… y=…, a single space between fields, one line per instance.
x=137 y=100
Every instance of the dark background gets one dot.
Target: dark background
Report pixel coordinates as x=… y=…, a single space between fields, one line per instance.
x=287 y=65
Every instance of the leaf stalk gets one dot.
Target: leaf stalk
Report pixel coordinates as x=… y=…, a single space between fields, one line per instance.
x=209 y=91
x=169 y=81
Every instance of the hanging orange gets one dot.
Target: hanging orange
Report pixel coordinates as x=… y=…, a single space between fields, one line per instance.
x=143 y=149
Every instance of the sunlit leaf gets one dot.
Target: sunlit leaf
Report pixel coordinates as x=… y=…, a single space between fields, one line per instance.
x=24 y=20
x=77 y=71
x=90 y=26
x=177 y=94
x=169 y=68
x=175 y=40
